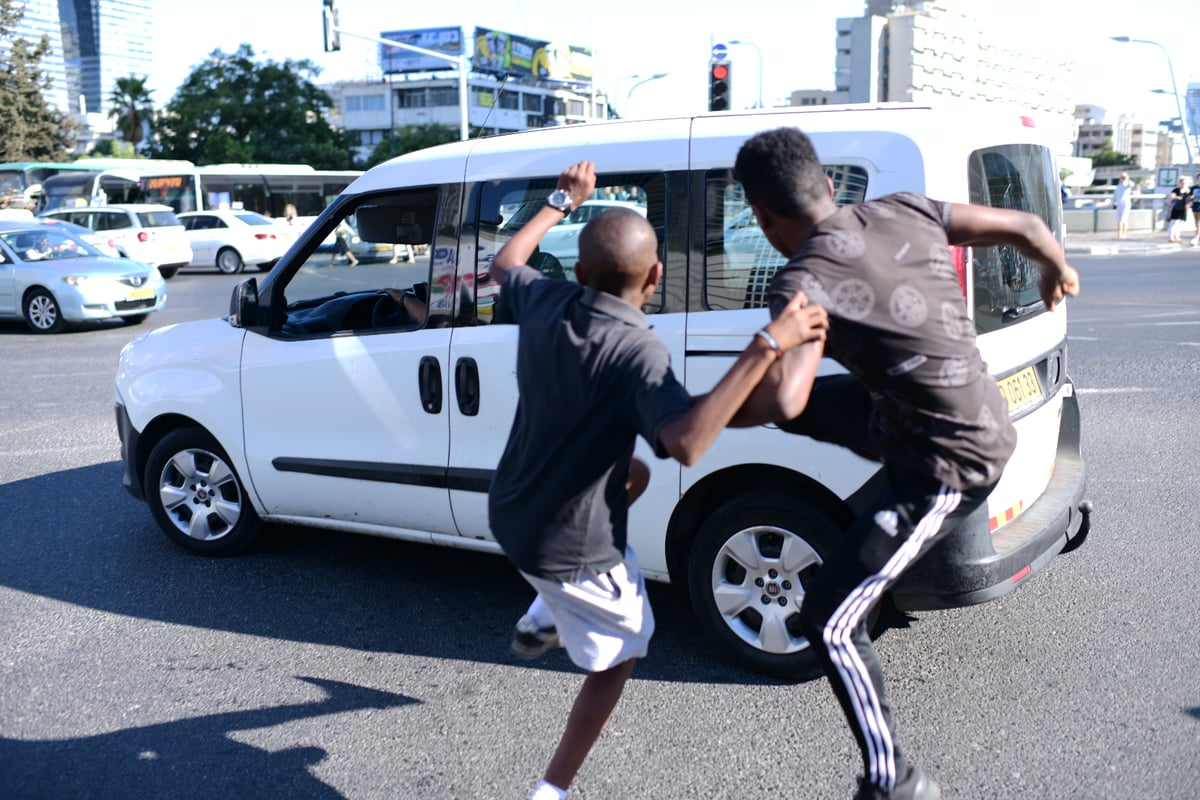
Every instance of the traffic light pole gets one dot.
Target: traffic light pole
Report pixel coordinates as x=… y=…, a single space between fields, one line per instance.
x=460 y=61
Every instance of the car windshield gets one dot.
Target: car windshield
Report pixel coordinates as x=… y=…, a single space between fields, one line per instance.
x=47 y=245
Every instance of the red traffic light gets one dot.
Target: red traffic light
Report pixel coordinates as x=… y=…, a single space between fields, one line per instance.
x=720 y=71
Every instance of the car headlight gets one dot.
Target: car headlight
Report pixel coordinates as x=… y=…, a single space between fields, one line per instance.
x=79 y=280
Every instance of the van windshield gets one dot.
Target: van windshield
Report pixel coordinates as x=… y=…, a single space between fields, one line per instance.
x=1022 y=177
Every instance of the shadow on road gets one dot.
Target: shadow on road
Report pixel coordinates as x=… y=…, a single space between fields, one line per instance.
x=183 y=759
x=77 y=537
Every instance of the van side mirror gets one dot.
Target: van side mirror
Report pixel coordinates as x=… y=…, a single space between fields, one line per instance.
x=243 y=305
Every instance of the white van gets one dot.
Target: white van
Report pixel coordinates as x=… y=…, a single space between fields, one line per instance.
x=319 y=401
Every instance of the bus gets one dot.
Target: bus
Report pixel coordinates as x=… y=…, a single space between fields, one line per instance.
x=25 y=178
x=265 y=188
x=89 y=181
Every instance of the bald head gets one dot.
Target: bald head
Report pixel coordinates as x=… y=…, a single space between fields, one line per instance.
x=616 y=251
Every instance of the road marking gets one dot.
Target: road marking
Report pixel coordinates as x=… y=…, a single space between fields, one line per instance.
x=1115 y=390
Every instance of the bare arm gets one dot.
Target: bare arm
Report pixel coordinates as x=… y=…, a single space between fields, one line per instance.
x=783 y=393
x=985 y=226
x=690 y=436
x=577 y=180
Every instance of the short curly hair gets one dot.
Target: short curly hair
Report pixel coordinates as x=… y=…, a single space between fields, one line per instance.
x=779 y=170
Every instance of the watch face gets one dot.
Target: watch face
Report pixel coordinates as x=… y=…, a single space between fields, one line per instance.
x=559 y=199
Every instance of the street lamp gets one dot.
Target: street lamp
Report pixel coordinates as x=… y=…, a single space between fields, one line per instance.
x=1175 y=91
x=757 y=50
x=643 y=81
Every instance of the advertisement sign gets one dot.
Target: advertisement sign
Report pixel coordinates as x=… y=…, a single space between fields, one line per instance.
x=522 y=57
x=440 y=40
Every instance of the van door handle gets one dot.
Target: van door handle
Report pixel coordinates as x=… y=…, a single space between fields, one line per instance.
x=429 y=380
x=466 y=386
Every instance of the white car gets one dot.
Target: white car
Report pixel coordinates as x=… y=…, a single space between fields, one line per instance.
x=146 y=232
x=562 y=241
x=50 y=278
x=231 y=240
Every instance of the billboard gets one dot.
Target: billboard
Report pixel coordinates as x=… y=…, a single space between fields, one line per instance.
x=522 y=57
x=441 y=40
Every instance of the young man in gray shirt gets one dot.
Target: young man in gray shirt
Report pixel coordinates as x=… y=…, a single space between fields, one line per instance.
x=592 y=378
x=917 y=395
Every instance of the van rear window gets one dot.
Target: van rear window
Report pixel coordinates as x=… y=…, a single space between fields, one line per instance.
x=1022 y=177
x=738 y=260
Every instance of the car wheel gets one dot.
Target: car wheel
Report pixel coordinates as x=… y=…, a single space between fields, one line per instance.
x=168 y=272
x=747 y=575
x=229 y=261
x=134 y=319
x=196 y=496
x=42 y=313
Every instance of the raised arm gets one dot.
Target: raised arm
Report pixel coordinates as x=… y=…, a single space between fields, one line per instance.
x=578 y=181
x=986 y=226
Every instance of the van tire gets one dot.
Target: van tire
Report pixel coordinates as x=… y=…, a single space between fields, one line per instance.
x=196 y=496
x=747 y=572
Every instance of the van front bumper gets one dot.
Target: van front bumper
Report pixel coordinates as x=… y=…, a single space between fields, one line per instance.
x=973 y=566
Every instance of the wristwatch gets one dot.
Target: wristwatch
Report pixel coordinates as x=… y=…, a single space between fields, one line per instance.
x=560 y=200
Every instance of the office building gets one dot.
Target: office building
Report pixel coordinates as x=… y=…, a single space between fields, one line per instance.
x=935 y=52
x=104 y=40
x=42 y=19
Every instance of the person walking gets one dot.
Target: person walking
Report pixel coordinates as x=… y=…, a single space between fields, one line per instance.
x=1195 y=202
x=1123 y=203
x=558 y=503
x=1177 y=211
x=917 y=396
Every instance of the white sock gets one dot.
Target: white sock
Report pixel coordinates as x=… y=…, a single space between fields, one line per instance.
x=548 y=791
x=539 y=612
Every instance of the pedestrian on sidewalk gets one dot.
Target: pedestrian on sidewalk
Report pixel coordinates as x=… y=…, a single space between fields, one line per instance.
x=1177 y=211
x=1195 y=200
x=1123 y=203
x=558 y=504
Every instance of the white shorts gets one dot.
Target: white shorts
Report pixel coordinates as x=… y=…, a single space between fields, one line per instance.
x=603 y=618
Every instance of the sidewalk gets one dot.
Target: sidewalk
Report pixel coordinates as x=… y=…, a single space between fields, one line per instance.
x=1098 y=244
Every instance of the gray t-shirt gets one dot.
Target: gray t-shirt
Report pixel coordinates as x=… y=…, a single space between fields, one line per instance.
x=898 y=323
x=592 y=378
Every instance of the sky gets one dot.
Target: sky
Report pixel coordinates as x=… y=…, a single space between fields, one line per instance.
x=796 y=40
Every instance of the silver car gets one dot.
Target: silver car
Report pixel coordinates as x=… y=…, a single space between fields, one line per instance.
x=50 y=278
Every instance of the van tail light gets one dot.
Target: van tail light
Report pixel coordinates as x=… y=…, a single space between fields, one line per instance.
x=143 y=236
x=264 y=236
x=961 y=257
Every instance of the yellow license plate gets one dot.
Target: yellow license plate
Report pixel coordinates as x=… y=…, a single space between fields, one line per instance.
x=1021 y=390
x=140 y=294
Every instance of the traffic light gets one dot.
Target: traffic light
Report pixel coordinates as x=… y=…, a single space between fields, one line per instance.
x=329 y=18
x=718 y=85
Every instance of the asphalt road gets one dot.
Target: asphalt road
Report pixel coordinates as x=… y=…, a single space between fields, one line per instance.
x=325 y=666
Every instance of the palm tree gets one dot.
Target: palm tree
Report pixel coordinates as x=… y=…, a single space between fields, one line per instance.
x=130 y=105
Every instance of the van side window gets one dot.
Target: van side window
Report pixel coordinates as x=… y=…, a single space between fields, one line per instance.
x=1023 y=177
x=499 y=210
x=738 y=260
x=371 y=271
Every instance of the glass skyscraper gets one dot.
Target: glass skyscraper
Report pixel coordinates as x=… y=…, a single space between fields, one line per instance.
x=93 y=42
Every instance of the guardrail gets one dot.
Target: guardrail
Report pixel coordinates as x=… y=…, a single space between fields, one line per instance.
x=1094 y=213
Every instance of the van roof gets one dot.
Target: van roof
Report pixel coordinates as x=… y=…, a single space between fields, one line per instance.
x=542 y=150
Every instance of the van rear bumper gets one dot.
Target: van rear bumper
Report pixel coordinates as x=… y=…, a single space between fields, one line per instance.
x=972 y=566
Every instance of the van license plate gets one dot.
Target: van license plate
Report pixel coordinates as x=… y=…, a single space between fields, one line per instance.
x=1021 y=390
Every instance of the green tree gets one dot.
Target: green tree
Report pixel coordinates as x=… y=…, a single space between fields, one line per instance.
x=131 y=106
x=410 y=138
x=1107 y=157
x=31 y=129
x=111 y=148
x=232 y=108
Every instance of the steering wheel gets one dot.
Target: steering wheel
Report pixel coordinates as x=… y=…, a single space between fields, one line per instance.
x=388 y=313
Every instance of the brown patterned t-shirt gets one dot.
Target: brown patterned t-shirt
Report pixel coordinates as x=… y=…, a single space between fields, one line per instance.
x=898 y=323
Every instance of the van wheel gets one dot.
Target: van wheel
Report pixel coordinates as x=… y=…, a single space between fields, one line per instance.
x=747 y=575
x=196 y=496
x=168 y=272
x=42 y=312
x=229 y=261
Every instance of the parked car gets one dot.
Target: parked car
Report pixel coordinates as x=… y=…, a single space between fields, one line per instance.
x=562 y=241
x=142 y=231
x=315 y=402
x=101 y=241
x=230 y=240
x=51 y=278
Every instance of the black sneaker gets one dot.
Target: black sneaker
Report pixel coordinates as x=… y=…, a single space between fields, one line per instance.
x=915 y=786
x=530 y=641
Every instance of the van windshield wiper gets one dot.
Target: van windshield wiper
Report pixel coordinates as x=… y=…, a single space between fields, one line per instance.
x=1016 y=312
